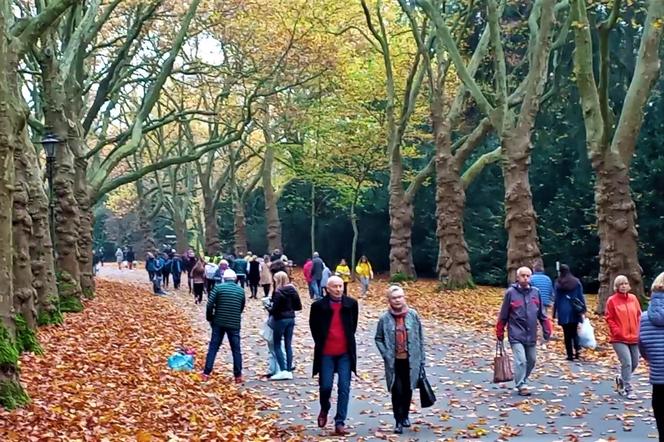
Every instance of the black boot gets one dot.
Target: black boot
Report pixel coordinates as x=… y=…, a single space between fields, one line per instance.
x=406 y=422
x=398 y=428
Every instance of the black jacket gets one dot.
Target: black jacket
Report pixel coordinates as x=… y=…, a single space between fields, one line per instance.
x=320 y=318
x=285 y=302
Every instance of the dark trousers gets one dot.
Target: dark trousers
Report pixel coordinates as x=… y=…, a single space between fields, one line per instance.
x=190 y=281
x=241 y=280
x=150 y=275
x=199 y=287
x=658 y=408
x=328 y=366
x=165 y=275
x=401 y=391
x=253 y=287
x=266 y=289
x=571 y=339
x=283 y=328
x=176 y=280
x=209 y=285
x=215 y=343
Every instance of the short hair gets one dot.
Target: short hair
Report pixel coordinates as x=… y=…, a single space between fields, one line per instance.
x=316 y=255
x=280 y=279
x=619 y=280
x=520 y=269
x=658 y=283
x=394 y=288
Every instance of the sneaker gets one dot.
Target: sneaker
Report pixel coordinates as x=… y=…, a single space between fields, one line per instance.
x=620 y=385
x=282 y=376
x=204 y=377
x=629 y=394
x=239 y=380
x=524 y=390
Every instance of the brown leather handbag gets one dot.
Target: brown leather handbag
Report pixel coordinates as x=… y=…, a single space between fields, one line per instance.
x=502 y=367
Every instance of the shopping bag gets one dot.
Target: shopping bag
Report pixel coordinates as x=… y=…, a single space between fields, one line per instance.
x=502 y=367
x=181 y=362
x=427 y=396
x=266 y=331
x=586 y=334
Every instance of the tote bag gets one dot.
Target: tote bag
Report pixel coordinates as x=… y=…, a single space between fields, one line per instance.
x=502 y=367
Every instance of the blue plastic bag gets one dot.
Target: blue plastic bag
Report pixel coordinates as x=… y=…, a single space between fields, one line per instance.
x=181 y=362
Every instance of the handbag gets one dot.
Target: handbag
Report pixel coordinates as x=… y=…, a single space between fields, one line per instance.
x=502 y=368
x=427 y=396
x=577 y=305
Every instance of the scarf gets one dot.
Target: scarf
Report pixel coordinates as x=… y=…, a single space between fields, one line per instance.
x=401 y=334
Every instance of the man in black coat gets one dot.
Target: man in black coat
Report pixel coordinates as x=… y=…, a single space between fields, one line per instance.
x=317 y=266
x=333 y=323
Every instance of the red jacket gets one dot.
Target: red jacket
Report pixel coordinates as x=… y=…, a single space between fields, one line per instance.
x=306 y=269
x=623 y=314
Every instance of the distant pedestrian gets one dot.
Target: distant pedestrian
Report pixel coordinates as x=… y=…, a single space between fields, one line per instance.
x=285 y=302
x=364 y=271
x=343 y=271
x=198 y=280
x=166 y=270
x=277 y=264
x=130 y=257
x=520 y=312
x=156 y=280
x=224 y=313
x=651 y=344
x=569 y=295
x=324 y=280
x=190 y=261
x=266 y=275
x=211 y=272
x=119 y=257
x=176 y=270
x=254 y=275
x=306 y=272
x=543 y=283
x=317 y=266
x=623 y=314
x=333 y=323
x=240 y=267
x=400 y=340
x=150 y=265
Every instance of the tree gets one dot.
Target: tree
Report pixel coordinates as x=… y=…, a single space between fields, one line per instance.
x=610 y=148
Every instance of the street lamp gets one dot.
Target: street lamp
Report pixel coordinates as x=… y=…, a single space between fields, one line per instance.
x=49 y=142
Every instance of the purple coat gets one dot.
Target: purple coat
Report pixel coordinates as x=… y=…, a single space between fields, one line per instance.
x=520 y=312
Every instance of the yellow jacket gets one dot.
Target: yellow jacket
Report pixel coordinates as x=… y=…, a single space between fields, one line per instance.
x=344 y=272
x=363 y=269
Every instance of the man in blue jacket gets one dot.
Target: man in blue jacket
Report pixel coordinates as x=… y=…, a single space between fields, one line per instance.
x=521 y=311
x=544 y=285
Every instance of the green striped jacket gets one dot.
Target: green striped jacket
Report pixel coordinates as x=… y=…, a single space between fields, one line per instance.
x=225 y=305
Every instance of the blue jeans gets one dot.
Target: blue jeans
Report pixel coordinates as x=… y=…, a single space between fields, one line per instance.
x=283 y=328
x=312 y=289
x=315 y=286
x=328 y=366
x=215 y=342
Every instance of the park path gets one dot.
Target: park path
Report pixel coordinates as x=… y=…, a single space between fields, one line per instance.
x=571 y=401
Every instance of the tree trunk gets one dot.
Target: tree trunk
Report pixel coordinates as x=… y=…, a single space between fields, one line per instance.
x=272 y=221
x=240 y=228
x=453 y=260
x=181 y=233
x=312 y=228
x=356 y=234
x=401 y=224
x=616 y=221
x=12 y=121
x=24 y=292
x=85 y=228
x=520 y=218
x=212 y=243
x=144 y=222
x=41 y=246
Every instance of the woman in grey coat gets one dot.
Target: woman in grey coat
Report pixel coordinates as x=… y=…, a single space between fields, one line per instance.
x=400 y=340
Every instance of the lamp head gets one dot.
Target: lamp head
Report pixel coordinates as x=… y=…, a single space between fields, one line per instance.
x=49 y=141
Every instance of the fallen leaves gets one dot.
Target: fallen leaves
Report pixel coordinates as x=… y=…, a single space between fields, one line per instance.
x=103 y=376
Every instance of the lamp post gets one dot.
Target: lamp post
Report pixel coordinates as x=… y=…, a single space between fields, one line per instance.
x=49 y=142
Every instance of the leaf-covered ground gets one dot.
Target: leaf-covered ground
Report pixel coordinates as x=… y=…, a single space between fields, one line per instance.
x=104 y=376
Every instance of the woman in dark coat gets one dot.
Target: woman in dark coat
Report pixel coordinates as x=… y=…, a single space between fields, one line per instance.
x=254 y=276
x=570 y=307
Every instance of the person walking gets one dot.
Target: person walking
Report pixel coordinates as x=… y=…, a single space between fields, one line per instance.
x=285 y=302
x=254 y=276
x=570 y=307
x=520 y=312
x=623 y=315
x=651 y=345
x=211 y=270
x=190 y=261
x=240 y=267
x=400 y=341
x=176 y=270
x=166 y=269
x=323 y=282
x=266 y=275
x=156 y=280
x=317 y=267
x=333 y=323
x=364 y=271
x=149 y=265
x=543 y=283
x=224 y=313
x=119 y=257
x=306 y=272
x=198 y=280
x=130 y=257
x=343 y=271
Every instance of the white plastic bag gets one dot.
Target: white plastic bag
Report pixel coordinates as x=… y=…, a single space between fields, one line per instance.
x=587 y=335
x=266 y=332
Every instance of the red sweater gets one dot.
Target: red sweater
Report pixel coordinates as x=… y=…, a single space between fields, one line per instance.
x=335 y=345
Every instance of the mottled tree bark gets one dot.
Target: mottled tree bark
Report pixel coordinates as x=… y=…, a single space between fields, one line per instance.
x=212 y=243
x=240 y=228
x=401 y=224
x=85 y=228
x=272 y=221
x=181 y=233
x=144 y=221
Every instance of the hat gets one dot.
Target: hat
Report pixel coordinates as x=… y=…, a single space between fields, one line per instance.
x=229 y=274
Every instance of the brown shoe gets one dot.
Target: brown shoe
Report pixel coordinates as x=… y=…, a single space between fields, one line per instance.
x=239 y=380
x=322 y=419
x=340 y=430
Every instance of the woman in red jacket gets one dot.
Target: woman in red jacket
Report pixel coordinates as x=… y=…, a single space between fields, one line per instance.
x=623 y=315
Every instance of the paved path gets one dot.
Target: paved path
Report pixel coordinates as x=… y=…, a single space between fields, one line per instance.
x=571 y=401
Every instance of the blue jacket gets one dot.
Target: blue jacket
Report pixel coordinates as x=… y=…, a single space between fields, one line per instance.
x=651 y=337
x=545 y=287
x=563 y=308
x=520 y=312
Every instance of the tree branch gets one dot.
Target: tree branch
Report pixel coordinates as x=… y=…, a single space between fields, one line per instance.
x=478 y=166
